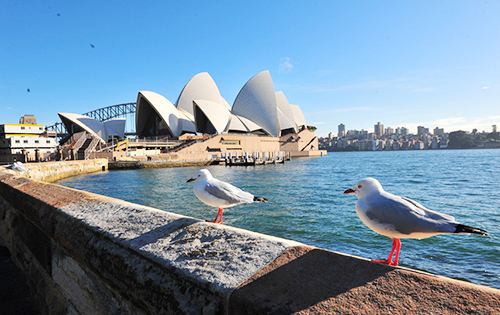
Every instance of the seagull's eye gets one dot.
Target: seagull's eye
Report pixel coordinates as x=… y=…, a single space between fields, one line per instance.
x=360 y=186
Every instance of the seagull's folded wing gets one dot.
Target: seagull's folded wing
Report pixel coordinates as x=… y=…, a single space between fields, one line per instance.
x=431 y=213
x=228 y=192
x=406 y=216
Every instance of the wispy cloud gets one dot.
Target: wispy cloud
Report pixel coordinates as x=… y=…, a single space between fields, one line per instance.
x=286 y=65
x=485 y=87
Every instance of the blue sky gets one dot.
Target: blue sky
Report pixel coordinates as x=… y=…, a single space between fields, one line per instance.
x=356 y=62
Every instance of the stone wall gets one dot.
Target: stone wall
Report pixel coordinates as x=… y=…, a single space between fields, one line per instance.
x=90 y=254
x=167 y=162
x=53 y=171
x=303 y=144
x=235 y=144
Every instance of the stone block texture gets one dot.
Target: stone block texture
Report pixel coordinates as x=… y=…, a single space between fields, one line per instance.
x=84 y=253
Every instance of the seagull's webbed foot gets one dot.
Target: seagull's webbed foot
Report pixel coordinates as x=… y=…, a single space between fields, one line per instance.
x=396 y=248
x=381 y=261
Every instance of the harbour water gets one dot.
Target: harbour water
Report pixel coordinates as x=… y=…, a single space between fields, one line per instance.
x=306 y=202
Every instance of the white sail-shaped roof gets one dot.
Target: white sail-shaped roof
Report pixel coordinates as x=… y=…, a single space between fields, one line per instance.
x=285 y=114
x=298 y=115
x=200 y=87
x=236 y=125
x=211 y=115
x=115 y=127
x=101 y=130
x=201 y=108
x=256 y=101
x=156 y=115
x=250 y=125
x=75 y=123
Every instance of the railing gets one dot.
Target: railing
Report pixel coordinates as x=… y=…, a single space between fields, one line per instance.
x=183 y=145
x=155 y=141
x=91 y=148
x=314 y=138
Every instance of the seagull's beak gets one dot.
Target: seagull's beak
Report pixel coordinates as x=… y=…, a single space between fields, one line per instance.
x=191 y=180
x=349 y=191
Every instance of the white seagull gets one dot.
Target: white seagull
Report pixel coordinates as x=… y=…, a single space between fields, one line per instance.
x=17 y=166
x=216 y=193
x=398 y=217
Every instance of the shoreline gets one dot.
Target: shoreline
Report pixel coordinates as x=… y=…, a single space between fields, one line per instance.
x=449 y=149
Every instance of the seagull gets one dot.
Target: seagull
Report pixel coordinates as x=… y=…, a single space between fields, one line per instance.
x=17 y=166
x=216 y=193
x=399 y=217
x=28 y=90
x=92 y=45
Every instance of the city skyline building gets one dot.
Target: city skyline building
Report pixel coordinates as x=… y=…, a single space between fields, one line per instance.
x=379 y=129
x=341 y=130
x=438 y=131
x=389 y=131
x=422 y=131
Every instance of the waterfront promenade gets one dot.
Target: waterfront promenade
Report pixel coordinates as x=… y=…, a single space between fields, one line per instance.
x=89 y=253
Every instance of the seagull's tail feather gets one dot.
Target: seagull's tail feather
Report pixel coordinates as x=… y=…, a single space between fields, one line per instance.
x=469 y=229
x=260 y=199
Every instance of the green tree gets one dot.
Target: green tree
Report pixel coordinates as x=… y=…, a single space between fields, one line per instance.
x=461 y=140
x=494 y=135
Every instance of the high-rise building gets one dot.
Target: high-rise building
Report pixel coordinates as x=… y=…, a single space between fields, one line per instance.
x=379 y=129
x=422 y=131
x=494 y=128
x=341 y=132
x=389 y=131
x=439 y=131
x=403 y=131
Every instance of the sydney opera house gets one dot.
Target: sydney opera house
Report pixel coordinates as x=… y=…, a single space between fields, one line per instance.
x=200 y=108
x=261 y=120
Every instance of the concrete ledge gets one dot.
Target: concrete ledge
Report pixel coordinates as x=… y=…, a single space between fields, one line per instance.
x=309 y=280
x=54 y=171
x=89 y=254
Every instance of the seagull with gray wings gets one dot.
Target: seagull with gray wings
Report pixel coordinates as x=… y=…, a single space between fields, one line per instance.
x=219 y=194
x=398 y=217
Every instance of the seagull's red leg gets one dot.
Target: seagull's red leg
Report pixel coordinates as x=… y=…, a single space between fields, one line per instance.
x=218 y=217
x=387 y=261
x=216 y=220
x=221 y=211
x=398 y=249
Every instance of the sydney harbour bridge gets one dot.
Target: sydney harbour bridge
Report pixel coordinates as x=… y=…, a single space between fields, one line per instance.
x=126 y=110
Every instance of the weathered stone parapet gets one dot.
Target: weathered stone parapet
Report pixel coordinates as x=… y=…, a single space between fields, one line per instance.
x=53 y=171
x=89 y=254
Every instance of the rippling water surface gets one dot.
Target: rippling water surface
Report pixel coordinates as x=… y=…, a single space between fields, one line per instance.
x=307 y=204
